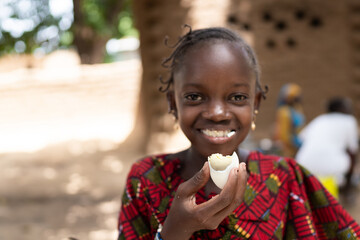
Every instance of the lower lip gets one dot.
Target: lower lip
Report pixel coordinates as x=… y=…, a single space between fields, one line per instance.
x=217 y=140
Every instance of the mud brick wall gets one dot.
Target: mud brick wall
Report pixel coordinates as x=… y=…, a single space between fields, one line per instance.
x=312 y=43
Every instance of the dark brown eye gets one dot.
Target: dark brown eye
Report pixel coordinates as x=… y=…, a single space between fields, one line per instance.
x=193 y=97
x=238 y=98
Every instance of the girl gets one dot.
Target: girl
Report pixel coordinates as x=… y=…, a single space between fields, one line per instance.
x=214 y=92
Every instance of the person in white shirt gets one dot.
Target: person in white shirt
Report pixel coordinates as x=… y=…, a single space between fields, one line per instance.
x=330 y=144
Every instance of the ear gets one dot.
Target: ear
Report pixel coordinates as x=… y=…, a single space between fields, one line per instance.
x=170 y=95
x=258 y=98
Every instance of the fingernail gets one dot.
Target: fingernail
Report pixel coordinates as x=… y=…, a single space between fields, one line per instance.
x=243 y=166
x=203 y=166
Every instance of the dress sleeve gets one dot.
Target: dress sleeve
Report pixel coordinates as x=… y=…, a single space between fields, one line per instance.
x=318 y=209
x=133 y=220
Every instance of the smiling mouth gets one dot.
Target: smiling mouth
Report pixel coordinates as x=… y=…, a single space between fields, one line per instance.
x=218 y=133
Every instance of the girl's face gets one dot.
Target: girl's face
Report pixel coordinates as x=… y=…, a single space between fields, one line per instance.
x=214 y=97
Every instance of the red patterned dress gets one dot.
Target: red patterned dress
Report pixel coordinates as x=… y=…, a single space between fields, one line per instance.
x=282 y=201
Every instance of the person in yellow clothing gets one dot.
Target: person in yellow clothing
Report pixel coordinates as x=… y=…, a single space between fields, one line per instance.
x=289 y=119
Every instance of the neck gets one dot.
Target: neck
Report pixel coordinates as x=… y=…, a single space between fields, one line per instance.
x=192 y=161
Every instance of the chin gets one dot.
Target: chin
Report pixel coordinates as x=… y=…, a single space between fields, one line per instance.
x=220 y=149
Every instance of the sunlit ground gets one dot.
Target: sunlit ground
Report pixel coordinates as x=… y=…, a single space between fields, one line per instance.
x=60 y=125
x=65 y=101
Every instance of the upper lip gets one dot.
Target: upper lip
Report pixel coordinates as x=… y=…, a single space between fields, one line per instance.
x=217 y=130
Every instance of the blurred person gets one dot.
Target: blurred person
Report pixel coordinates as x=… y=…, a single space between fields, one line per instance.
x=289 y=119
x=330 y=145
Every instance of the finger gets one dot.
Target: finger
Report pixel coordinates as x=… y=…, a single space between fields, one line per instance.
x=239 y=193
x=194 y=184
x=231 y=184
x=224 y=199
x=242 y=182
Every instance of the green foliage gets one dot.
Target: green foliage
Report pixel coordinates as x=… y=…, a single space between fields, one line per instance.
x=25 y=25
x=66 y=38
x=34 y=28
x=96 y=14
x=126 y=25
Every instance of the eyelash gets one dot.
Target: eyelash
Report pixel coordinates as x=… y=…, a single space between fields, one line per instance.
x=191 y=97
x=242 y=98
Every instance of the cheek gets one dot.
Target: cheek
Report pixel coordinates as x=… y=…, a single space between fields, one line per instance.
x=186 y=116
x=245 y=117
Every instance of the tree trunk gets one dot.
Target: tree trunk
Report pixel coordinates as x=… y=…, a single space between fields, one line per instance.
x=155 y=20
x=89 y=43
x=90 y=47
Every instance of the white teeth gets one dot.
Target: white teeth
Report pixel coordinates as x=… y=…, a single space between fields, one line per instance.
x=216 y=133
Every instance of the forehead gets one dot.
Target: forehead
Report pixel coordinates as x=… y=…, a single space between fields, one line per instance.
x=214 y=59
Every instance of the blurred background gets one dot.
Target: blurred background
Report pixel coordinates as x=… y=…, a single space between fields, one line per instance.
x=79 y=99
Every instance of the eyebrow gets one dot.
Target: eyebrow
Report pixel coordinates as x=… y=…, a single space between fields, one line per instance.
x=192 y=85
x=241 y=85
x=200 y=85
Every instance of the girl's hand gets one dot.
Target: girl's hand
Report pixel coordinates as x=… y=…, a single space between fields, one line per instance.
x=186 y=217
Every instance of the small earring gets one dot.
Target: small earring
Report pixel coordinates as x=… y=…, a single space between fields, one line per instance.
x=176 y=125
x=173 y=112
x=253 y=125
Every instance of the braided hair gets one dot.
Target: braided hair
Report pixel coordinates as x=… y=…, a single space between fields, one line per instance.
x=192 y=38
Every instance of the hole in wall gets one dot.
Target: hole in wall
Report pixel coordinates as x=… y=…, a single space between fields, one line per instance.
x=246 y=26
x=232 y=19
x=281 y=25
x=290 y=42
x=316 y=22
x=267 y=17
x=300 y=14
x=270 y=43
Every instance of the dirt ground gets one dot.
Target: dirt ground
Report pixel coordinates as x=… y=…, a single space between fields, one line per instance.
x=68 y=188
x=62 y=169
x=60 y=192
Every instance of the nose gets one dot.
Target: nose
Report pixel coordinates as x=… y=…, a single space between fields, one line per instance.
x=216 y=111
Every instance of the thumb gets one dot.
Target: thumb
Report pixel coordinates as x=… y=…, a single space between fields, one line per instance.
x=194 y=184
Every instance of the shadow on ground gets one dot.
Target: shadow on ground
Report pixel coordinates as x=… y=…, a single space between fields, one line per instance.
x=67 y=190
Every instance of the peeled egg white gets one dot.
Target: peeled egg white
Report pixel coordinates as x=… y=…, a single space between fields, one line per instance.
x=217 y=161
